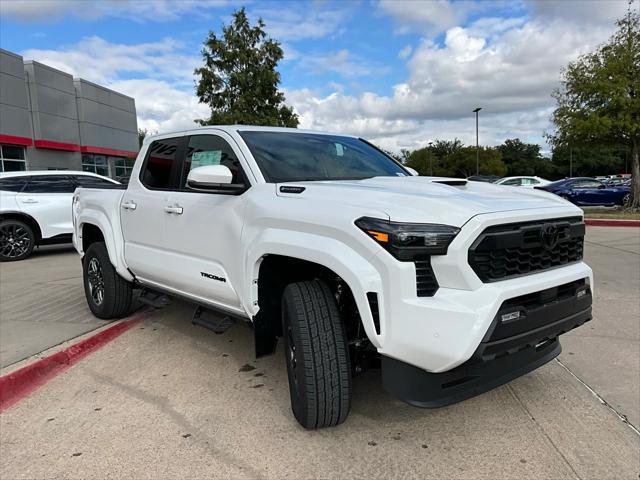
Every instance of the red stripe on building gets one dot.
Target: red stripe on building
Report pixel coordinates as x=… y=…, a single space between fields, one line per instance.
x=24 y=141
x=108 y=151
x=52 y=145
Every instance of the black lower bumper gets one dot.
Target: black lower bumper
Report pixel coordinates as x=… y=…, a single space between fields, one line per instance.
x=510 y=349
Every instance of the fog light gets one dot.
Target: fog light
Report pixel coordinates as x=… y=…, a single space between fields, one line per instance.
x=508 y=317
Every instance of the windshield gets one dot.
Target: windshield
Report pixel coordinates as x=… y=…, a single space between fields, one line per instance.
x=295 y=157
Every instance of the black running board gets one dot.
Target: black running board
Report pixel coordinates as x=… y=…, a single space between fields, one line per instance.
x=212 y=321
x=154 y=299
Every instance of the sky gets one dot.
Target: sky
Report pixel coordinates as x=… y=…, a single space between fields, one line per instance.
x=401 y=73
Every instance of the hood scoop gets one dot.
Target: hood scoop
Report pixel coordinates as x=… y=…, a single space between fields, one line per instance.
x=457 y=182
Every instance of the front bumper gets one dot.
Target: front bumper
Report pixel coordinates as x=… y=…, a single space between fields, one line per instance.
x=512 y=346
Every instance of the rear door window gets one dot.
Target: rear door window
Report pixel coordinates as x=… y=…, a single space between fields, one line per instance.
x=89 y=181
x=159 y=166
x=50 y=184
x=13 y=184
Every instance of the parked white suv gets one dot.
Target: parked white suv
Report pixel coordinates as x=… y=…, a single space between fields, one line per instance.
x=35 y=208
x=326 y=242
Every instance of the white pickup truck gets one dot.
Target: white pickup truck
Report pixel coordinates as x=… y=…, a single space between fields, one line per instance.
x=452 y=287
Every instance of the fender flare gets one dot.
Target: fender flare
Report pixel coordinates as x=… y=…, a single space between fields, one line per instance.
x=359 y=274
x=115 y=246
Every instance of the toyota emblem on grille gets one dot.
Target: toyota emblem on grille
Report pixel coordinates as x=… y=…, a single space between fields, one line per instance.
x=549 y=235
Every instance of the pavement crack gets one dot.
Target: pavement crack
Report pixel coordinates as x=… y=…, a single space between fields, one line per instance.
x=164 y=405
x=542 y=430
x=621 y=416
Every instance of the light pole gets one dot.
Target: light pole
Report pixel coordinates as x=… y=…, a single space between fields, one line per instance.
x=430 y=160
x=477 y=142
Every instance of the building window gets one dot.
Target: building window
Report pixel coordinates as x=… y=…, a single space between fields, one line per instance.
x=108 y=166
x=95 y=164
x=123 y=167
x=12 y=158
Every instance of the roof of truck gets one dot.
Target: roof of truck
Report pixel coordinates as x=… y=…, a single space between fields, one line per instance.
x=239 y=128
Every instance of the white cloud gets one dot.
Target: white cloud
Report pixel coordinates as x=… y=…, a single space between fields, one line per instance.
x=603 y=12
x=511 y=77
x=427 y=17
x=138 y=10
x=342 y=63
x=100 y=61
x=405 y=52
x=160 y=106
x=302 y=22
x=165 y=98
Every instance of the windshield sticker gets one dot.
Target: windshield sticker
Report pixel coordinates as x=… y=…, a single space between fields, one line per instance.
x=202 y=159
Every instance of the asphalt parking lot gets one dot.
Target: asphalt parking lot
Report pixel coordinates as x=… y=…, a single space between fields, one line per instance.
x=167 y=399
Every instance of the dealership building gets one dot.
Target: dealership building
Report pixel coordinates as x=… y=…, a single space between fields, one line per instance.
x=52 y=121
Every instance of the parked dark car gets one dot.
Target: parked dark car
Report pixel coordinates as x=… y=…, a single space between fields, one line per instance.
x=589 y=191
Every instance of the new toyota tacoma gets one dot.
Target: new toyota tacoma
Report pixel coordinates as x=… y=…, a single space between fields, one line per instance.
x=326 y=243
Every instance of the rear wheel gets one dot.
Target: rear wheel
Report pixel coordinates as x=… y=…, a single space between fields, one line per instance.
x=108 y=294
x=16 y=240
x=317 y=355
x=626 y=200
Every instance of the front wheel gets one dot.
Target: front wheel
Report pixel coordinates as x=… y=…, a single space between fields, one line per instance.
x=108 y=294
x=16 y=240
x=317 y=355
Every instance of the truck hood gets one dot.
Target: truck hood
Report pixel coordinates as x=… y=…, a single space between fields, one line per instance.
x=427 y=199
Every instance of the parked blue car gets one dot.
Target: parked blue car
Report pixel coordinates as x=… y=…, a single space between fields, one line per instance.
x=589 y=191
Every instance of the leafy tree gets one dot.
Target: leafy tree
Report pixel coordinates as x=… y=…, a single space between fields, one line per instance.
x=519 y=157
x=598 y=102
x=426 y=160
x=591 y=161
x=442 y=148
x=423 y=161
x=239 y=80
x=462 y=163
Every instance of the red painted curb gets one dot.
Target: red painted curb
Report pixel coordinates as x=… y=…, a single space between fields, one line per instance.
x=607 y=222
x=17 y=385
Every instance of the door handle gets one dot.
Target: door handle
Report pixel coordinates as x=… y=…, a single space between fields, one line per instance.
x=129 y=205
x=173 y=209
x=30 y=200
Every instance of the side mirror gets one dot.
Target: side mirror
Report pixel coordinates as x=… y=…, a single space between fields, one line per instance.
x=213 y=179
x=412 y=171
x=602 y=186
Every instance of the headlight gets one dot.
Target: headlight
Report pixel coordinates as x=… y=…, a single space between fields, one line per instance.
x=406 y=240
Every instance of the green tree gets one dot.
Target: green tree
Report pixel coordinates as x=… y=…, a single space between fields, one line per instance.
x=422 y=160
x=442 y=148
x=239 y=80
x=519 y=157
x=462 y=163
x=598 y=102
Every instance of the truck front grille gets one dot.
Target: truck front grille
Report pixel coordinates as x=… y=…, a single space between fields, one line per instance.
x=426 y=282
x=515 y=249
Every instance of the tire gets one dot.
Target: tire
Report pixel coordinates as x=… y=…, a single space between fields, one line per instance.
x=626 y=200
x=108 y=294
x=317 y=355
x=16 y=240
